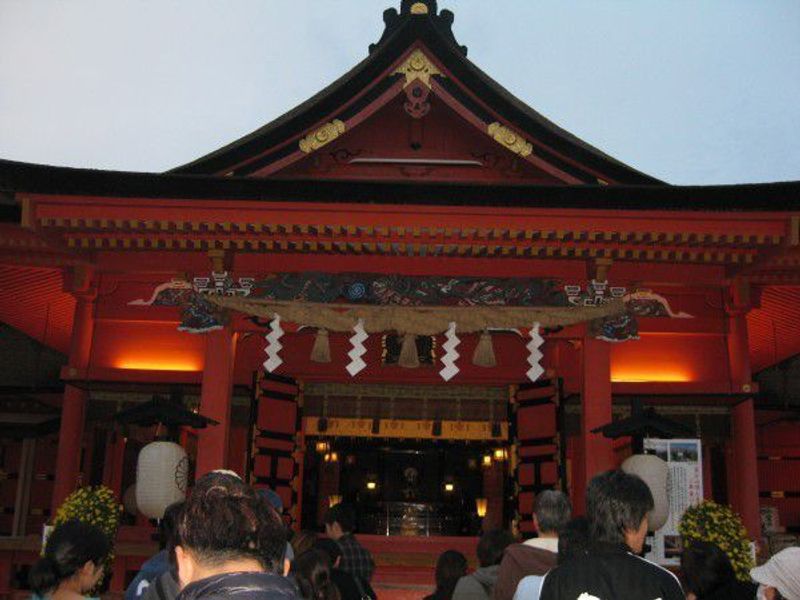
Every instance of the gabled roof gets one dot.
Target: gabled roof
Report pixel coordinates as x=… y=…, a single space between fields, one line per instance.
x=483 y=102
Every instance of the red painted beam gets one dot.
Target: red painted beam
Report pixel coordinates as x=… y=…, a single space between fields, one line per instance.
x=672 y=388
x=101 y=374
x=360 y=215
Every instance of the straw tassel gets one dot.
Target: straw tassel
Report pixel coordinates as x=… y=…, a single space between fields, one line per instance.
x=408 y=352
x=484 y=352
x=321 y=351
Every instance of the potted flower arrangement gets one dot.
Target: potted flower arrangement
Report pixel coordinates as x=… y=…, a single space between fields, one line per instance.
x=96 y=506
x=719 y=525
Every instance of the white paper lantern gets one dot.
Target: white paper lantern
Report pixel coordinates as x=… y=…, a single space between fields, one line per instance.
x=161 y=477
x=129 y=500
x=653 y=471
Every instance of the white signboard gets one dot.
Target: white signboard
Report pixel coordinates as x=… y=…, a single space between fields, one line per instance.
x=684 y=489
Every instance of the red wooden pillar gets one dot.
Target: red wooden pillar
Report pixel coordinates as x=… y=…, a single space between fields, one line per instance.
x=596 y=452
x=114 y=460
x=708 y=488
x=6 y=565
x=73 y=408
x=493 y=479
x=745 y=496
x=215 y=400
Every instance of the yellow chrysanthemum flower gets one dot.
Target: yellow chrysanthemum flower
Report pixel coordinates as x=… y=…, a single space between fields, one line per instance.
x=718 y=524
x=96 y=506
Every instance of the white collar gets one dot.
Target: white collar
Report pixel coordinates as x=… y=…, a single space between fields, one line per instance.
x=549 y=544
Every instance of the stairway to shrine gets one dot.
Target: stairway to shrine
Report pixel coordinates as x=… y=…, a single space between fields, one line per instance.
x=405 y=565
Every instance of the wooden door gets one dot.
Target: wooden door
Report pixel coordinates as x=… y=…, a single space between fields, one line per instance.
x=276 y=450
x=536 y=434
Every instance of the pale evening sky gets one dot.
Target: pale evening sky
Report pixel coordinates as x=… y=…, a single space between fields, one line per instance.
x=690 y=91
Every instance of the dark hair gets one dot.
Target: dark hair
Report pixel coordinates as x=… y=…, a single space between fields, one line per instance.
x=552 y=510
x=344 y=515
x=303 y=540
x=225 y=519
x=312 y=571
x=616 y=502
x=70 y=546
x=329 y=547
x=167 y=524
x=491 y=546
x=573 y=540
x=450 y=567
x=705 y=568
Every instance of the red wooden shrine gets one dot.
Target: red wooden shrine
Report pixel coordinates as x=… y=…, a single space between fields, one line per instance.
x=414 y=163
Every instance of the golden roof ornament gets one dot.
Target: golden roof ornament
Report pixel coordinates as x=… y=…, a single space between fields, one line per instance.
x=440 y=20
x=322 y=136
x=417 y=67
x=510 y=139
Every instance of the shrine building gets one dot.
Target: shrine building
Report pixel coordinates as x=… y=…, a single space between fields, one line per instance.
x=411 y=292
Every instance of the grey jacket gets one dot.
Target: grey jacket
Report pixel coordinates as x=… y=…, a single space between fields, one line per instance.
x=477 y=585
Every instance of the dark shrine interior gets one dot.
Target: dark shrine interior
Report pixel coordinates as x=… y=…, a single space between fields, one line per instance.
x=399 y=487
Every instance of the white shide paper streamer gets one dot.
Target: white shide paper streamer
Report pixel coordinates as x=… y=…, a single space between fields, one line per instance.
x=357 y=364
x=534 y=354
x=451 y=355
x=274 y=345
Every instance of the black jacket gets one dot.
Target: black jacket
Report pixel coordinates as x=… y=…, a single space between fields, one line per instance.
x=733 y=590
x=243 y=586
x=351 y=587
x=610 y=572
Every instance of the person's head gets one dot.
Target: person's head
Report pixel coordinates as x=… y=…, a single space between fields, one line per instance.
x=780 y=575
x=331 y=548
x=225 y=472
x=74 y=556
x=273 y=498
x=617 y=504
x=551 y=511
x=166 y=526
x=312 y=571
x=705 y=567
x=450 y=567
x=225 y=526
x=573 y=540
x=339 y=520
x=303 y=540
x=491 y=546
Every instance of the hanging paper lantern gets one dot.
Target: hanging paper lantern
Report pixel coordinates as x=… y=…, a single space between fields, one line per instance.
x=129 y=500
x=161 y=477
x=653 y=471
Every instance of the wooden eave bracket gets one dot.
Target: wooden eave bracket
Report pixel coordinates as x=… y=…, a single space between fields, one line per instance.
x=770 y=260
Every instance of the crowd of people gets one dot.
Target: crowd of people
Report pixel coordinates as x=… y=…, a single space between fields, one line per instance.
x=228 y=540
